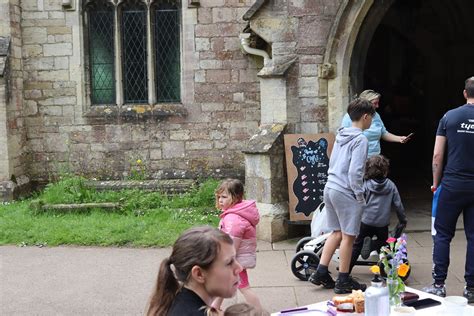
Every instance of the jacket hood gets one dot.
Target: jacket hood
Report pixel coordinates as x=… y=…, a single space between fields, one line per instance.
x=346 y=134
x=378 y=186
x=246 y=209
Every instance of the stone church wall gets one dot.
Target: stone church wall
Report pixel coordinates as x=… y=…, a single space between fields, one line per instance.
x=220 y=95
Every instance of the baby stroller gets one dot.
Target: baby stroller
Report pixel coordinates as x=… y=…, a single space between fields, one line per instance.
x=309 y=250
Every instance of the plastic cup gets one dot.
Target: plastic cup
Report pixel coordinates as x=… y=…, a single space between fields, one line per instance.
x=403 y=311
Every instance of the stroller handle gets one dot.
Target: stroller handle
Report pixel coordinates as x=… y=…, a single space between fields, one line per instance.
x=397 y=232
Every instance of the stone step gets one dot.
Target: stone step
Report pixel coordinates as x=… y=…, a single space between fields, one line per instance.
x=170 y=186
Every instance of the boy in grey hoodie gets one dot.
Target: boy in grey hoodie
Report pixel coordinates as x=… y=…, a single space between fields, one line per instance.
x=344 y=198
x=381 y=195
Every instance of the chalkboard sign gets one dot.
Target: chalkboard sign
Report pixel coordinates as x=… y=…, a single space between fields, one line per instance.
x=307 y=161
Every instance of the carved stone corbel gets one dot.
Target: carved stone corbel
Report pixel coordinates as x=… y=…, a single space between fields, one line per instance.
x=327 y=71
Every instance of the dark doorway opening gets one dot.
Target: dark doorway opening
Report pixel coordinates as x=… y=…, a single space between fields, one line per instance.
x=418 y=57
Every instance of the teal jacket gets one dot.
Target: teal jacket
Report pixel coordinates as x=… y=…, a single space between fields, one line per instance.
x=373 y=133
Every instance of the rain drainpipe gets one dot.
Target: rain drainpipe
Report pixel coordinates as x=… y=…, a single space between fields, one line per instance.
x=245 y=42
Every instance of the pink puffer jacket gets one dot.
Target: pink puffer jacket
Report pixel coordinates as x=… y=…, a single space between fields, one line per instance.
x=240 y=223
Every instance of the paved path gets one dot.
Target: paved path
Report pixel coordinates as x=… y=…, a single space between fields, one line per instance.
x=117 y=281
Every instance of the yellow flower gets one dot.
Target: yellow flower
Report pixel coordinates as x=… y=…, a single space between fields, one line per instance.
x=375 y=269
x=139 y=161
x=403 y=269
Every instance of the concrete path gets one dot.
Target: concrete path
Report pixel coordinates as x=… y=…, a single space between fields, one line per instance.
x=118 y=281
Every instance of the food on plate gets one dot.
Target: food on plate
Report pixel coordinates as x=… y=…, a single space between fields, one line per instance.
x=350 y=303
x=359 y=301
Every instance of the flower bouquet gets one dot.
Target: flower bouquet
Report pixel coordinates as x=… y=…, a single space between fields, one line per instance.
x=393 y=260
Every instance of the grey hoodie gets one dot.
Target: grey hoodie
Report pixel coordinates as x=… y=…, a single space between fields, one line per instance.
x=347 y=162
x=381 y=196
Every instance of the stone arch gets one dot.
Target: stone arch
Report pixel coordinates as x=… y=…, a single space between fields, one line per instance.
x=343 y=44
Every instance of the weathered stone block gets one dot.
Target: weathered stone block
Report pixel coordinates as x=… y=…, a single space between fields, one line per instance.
x=198 y=145
x=64 y=100
x=230 y=29
x=34 y=35
x=210 y=64
x=212 y=107
x=29 y=5
x=272 y=226
x=51 y=110
x=200 y=76
x=313 y=31
x=155 y=154
x=64 y=38
x=61 y=62
x=258 y=166
x=202 y=44
x=218 y=76
x=309 y=70
x=231 y=43
x=239 y=97
x=303 y=7
x=34 y=15
x=55 y=30
x=223 y=15
x=32 y=50
x=42 y=63
x=308 y=87
x=55 y=142
x=52 y=75
x=33 y=94
x=56 y=15
x=52 y=5
x=248 y=75
x=212 y=3
x=61 y=49
x=204 y=15
x=31 y=108
x=207 y=30
x=216 y=135
x=180 y=135
x=173 y=149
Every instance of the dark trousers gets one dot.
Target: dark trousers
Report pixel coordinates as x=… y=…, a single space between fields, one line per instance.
x=450 y=205
x=370 y=231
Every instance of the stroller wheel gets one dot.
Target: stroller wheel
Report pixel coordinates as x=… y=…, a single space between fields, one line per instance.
x=303 y=241
x=303 y=264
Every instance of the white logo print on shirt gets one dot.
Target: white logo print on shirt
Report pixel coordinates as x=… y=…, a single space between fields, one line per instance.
x=467 y=127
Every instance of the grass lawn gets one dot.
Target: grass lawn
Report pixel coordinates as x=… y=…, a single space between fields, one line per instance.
x=146 y=219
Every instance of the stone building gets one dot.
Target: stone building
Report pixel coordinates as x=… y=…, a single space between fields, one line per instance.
x=198 y=88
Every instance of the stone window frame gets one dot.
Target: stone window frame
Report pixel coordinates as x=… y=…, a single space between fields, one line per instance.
x=145 y=110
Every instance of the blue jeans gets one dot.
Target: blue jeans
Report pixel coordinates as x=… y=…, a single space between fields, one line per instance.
x=450 y=204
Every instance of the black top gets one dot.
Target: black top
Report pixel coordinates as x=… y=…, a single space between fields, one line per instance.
x=187 y=303
x=457 y=126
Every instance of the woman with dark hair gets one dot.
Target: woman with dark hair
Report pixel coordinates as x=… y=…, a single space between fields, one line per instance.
x=201 y=267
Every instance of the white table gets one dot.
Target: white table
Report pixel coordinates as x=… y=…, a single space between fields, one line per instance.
x=439 y=310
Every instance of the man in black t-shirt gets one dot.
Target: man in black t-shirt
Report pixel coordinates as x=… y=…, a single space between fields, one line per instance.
x=453 y=187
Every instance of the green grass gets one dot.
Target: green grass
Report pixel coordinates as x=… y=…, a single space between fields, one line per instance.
x=146 y=219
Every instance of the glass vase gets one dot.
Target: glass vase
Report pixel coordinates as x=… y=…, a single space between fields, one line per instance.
x=394 y=292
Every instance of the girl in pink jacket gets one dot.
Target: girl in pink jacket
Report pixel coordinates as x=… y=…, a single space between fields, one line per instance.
x=239 y=219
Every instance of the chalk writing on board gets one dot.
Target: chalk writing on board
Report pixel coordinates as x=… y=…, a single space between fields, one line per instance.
x=312 y=162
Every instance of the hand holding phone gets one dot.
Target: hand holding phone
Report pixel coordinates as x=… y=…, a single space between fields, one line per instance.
x=408 y=138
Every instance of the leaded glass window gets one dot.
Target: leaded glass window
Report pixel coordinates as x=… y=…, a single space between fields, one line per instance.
x=101 y=52
x=167 y=51
x=134 y=53
x=130 y=61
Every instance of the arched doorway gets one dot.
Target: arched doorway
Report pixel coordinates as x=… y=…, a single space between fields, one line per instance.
x=417 y=54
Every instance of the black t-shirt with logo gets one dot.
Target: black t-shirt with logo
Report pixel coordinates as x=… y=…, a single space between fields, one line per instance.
x=457 y=126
